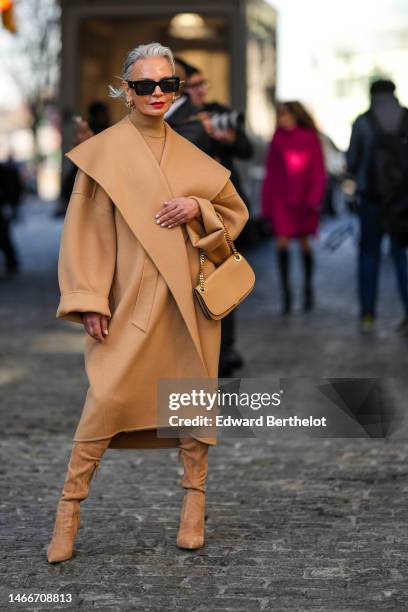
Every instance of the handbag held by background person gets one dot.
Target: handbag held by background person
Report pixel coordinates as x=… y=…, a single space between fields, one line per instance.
x=227 y=286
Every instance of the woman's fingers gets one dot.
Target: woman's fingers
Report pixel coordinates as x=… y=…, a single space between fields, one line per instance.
x=176 y=211
x=168 y=217
x=189 y=212
x=166 y=211
x=94 y=325
x=96 y=330
x=104 y=325
x=177 y=219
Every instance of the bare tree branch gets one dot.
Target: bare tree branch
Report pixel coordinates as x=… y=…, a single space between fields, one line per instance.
x=33 y=62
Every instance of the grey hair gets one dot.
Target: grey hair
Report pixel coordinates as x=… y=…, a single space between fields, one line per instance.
x=153 y=49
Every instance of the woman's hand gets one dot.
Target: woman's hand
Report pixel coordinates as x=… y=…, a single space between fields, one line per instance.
x=227 y=136
x=96 y=325
x=205 y=119
x=177 y=211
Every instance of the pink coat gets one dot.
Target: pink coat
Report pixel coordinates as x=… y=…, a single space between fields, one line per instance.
x=294 y=183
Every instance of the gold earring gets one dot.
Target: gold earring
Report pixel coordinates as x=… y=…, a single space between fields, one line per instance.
x=130 y=103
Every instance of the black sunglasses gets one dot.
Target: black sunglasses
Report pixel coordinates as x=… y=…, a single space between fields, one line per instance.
x=145 y=87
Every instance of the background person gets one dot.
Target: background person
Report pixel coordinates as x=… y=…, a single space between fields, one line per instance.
x=98 y=119
x=228 y=138
x=228 y=141
x=292 y=193
x=375 y=157
x=11 y=192
x=182 y=115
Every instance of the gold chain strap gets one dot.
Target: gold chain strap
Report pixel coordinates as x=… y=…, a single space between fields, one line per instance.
x=228 y=238
x=227 y=235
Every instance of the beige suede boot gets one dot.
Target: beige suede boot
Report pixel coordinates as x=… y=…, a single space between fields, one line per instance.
x=195 y=460
x=84 y=461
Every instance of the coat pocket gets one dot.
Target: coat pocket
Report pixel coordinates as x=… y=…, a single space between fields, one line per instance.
x=145 y=295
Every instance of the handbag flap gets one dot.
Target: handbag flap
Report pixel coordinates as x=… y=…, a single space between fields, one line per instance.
x=228 y=284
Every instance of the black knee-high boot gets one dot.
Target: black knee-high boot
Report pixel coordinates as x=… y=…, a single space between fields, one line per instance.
x=308 y=268
x=284 y=263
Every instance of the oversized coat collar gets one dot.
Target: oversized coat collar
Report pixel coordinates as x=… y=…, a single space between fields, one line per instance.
x=122 y=163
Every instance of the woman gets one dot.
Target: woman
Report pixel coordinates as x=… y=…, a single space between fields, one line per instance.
x=144 y=200
x=293 y=191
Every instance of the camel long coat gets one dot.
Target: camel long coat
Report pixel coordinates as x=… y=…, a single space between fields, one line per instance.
x=117 y=261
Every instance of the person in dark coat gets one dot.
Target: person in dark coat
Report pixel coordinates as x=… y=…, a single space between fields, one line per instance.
x=97 y=121
x=386 y=111
x=228 y=141
x=182 y=115
x=11 y=191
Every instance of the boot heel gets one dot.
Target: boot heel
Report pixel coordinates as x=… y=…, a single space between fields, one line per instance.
x=194 y=455
x=66 y=527
x=192 y=521
x=284 y=265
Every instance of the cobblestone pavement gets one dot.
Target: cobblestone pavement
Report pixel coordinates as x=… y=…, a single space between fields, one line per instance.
x=294 y=523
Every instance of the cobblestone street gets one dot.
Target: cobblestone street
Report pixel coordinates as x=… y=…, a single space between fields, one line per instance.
x=295 y=523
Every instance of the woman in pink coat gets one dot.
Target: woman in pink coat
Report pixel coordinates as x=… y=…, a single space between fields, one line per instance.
x=293 y=190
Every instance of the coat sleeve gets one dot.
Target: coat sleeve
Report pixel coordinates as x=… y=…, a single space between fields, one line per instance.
x=354 y=152
x=208 y=232
x=87 y=254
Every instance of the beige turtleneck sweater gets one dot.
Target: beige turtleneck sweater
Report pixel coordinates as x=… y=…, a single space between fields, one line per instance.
x=153 y=131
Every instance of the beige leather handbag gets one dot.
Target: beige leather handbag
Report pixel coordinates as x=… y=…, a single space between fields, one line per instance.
x=227 y=286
